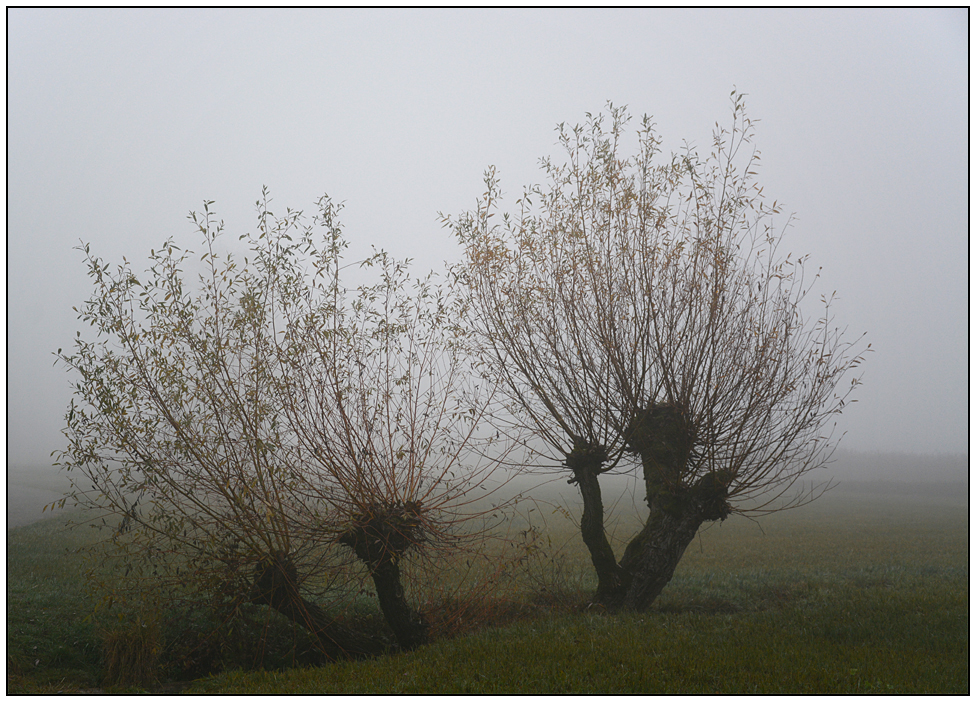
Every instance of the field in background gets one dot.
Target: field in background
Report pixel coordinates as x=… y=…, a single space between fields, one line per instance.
x=29 y=488
x=866 y=590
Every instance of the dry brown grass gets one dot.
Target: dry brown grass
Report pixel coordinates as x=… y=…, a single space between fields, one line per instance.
x=132 y=653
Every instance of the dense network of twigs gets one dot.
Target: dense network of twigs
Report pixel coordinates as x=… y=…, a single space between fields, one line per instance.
x=642 y=308
x=268 y=417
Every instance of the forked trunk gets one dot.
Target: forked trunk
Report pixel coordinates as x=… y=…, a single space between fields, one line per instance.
x=663 y=438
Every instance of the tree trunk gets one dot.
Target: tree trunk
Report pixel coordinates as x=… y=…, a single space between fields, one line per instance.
x=379 y=538
x=653 y=555
x=612 y=579
x=408 y=626
x=276 y=585
x=663 y=438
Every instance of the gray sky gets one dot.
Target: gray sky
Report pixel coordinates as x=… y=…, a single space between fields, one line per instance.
x=121 y=121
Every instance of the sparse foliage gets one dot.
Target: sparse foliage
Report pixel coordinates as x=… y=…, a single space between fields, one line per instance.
x=643 y=310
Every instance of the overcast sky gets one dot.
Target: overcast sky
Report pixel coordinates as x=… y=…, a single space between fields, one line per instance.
x=121 y=121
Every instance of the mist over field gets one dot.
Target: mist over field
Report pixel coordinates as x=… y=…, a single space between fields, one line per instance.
x=749 y=241
x=31 y=487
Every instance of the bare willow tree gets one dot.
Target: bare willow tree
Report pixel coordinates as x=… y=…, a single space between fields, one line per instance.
x=640 y=310
x=258 y=434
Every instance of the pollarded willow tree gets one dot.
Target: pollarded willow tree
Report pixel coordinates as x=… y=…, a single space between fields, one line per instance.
x=641 y=311
x=265 y=436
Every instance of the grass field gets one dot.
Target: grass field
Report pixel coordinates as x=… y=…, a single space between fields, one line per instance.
x=864 y=591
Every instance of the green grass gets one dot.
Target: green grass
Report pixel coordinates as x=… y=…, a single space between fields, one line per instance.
x=860 y=592
x=50 y=641
x=826 y=649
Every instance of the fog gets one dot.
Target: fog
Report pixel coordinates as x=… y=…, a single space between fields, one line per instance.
x=119 y=122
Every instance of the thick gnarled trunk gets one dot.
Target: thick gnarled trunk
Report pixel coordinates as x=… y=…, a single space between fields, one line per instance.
x=408 y=626
x=663 y=438
x=653 y=555
x=379 y=539
x=276 y=585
